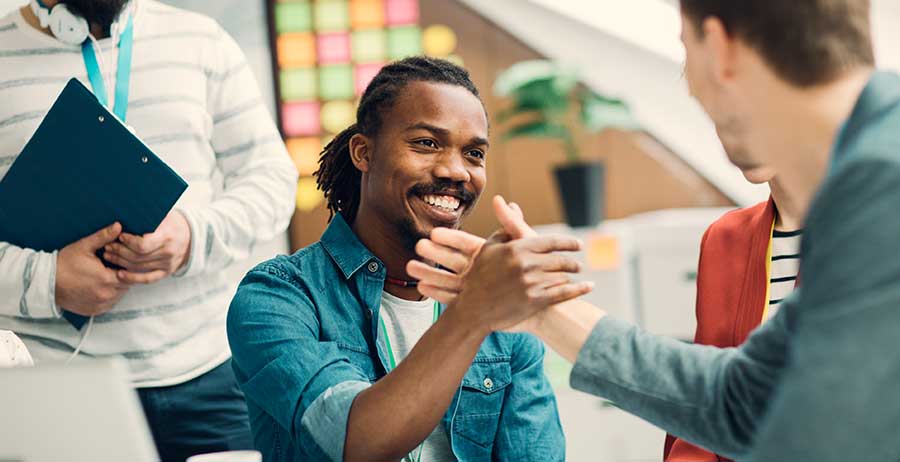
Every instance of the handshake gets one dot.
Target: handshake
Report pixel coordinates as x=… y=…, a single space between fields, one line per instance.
x=505 y=283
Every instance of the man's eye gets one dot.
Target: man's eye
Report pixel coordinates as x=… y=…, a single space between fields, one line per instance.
x=427 y=143
x=477 y=154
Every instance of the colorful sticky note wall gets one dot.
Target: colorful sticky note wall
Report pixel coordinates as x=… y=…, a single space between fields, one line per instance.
x=327 y=52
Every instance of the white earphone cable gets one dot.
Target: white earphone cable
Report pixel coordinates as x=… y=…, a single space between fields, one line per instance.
x=84 y=336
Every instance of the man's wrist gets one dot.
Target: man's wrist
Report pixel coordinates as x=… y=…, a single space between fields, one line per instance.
x=469 y=326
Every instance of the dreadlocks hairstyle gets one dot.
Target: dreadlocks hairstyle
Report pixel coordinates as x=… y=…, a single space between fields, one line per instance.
x=337 y=177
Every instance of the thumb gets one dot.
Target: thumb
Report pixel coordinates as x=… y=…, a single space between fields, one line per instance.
x=104 y=236
x=511 y=219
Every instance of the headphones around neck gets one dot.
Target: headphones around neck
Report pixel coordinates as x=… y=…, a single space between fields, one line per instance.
x=65 y=25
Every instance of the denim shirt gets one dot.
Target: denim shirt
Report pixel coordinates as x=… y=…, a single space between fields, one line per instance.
x=304 y=334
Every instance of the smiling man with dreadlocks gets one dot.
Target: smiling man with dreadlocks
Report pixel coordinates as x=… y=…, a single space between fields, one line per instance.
x=342 y=359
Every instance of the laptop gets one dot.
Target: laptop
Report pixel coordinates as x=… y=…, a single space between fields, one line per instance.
x=82 y=412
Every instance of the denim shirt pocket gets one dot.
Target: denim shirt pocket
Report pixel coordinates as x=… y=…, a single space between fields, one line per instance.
x=481 y=401
x=359 y=357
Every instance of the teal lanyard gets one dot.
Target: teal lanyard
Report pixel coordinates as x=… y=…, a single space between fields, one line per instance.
x=123 y=71
x=392 y=363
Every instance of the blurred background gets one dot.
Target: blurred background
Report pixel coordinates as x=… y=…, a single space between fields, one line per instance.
x=593 y=133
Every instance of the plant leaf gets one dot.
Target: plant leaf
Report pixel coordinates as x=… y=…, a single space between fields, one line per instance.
x=599 y=112
x=538 y=129
x=522 y=73
x=527 y=107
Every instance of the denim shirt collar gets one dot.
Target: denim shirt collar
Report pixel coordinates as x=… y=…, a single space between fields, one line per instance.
x=341 y=243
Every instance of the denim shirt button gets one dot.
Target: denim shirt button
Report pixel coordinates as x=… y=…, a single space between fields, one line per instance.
x=369 y=314
x=488 y=383
x=373 y=267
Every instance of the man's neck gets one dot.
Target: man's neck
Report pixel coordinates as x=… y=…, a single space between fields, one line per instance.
x=807 y=122
x=97 y=31
x=788 y=210
x=381 y=239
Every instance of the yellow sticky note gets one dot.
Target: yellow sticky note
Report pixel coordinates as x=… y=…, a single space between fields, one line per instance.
x=603 y=252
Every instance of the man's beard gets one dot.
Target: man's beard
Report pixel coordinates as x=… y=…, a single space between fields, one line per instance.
x=101 y=12
x=409 y=235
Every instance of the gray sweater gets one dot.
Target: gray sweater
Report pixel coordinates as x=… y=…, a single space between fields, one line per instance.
x=821 y=380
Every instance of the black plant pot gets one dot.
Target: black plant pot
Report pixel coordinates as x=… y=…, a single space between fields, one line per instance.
x=581 y=187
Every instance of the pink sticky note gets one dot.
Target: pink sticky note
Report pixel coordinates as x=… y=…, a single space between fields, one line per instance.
x=300 y=119
x=333 y=48
x=363 y=74
x=401 y=12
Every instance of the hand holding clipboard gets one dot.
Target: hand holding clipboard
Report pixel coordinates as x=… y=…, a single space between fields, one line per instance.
x=80 y=172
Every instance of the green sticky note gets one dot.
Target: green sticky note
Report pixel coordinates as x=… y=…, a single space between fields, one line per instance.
x=332 y=16
x=298 y=84
x=404 y=41
x=293 y=17
x=369 y=46
x=336 y=82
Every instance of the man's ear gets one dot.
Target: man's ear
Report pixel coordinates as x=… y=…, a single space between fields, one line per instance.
x=361 y=148
x=722 y=49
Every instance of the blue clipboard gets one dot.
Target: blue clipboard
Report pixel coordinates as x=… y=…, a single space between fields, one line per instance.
x=81 y=171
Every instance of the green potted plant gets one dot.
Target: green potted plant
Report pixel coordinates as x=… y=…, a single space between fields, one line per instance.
x=547 y=101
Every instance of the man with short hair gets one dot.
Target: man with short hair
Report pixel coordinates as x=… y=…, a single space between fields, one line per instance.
x=789 y=85
x=189 y=94
x=340 y=356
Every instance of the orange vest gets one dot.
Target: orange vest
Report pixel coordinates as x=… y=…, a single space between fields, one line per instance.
x=731 y=293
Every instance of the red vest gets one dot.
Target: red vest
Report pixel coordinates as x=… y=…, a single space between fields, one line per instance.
x=731 y=293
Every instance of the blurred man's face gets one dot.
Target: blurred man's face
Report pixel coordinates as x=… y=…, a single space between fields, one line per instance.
x=102 y=12
x=722 y=99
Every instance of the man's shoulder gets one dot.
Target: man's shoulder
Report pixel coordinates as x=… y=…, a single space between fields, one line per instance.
x=735 y=223
x=168 y=17
x=303 y=263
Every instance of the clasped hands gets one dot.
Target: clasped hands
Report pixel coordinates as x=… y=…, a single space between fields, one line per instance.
x=85 y=286
x=508 y=280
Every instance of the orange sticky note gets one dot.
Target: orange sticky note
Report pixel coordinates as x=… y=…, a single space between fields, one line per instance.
x=366 y=13
x=296 y=49
x=602 y=252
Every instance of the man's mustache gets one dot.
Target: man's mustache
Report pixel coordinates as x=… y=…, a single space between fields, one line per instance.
x=448 y=188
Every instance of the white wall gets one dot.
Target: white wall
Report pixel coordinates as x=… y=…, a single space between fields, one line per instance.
x=8 y=5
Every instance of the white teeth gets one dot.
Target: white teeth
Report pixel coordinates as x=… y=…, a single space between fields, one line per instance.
x=445 y=202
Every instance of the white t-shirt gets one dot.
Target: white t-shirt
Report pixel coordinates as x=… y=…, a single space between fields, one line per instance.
x=405 y=322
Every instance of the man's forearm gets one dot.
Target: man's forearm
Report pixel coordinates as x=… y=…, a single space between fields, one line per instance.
x=565 y=327
x=392 y=417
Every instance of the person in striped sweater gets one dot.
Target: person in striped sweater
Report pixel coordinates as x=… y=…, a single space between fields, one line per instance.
x=749 y=260
x=193 y=100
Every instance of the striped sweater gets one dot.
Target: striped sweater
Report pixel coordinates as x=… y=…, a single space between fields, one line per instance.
x=195 y=103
